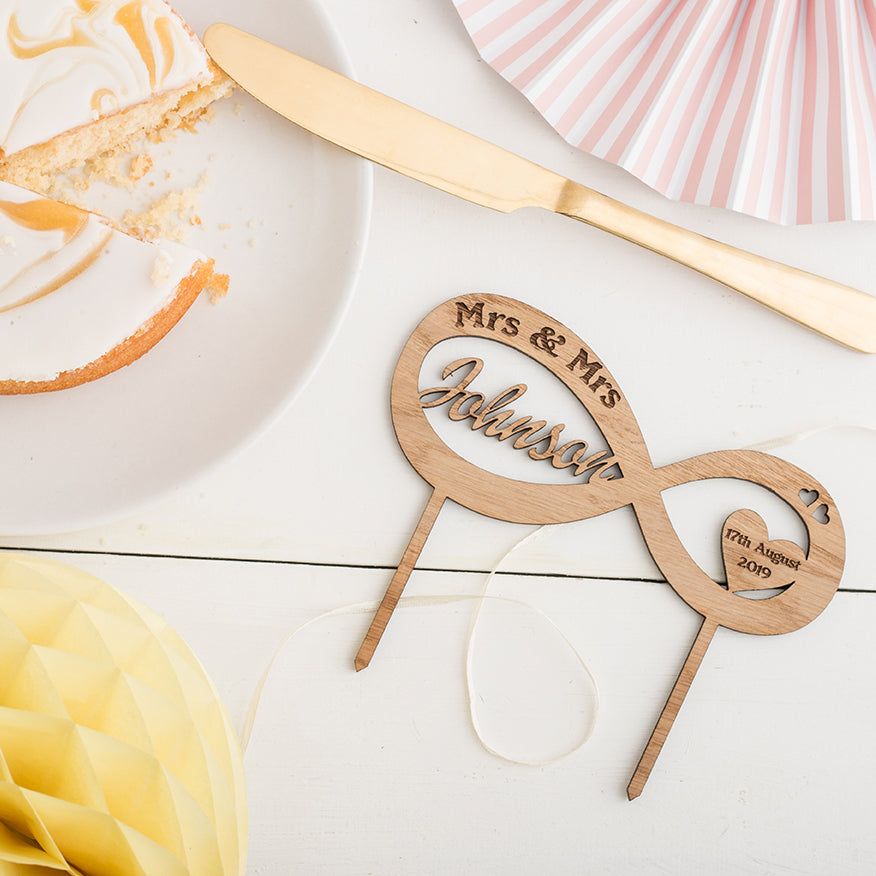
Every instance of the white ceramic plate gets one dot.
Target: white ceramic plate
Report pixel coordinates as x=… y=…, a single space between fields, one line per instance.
x=286 y=216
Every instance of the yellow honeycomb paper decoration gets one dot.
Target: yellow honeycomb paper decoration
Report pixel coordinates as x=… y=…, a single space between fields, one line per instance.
x=117 y=757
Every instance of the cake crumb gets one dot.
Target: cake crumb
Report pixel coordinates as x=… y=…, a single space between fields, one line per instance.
x=224 y=226
x=161 y=268
x=64 y=192
x=207 y=114
x=140 y=166
x=167 y=217
x=108 y=168
x=217 y=288
x=253 y=242
x=114 y=168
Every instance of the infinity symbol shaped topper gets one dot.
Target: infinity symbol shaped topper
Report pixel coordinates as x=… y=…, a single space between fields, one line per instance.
x=804 y=579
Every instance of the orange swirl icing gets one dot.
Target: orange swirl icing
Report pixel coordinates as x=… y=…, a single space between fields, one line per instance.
x=73 y=32
x=164 y=32
x=46 y=216
x=19 y=44
x=99 y=97
x=131 y=19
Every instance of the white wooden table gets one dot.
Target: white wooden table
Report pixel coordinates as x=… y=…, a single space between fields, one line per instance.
x=769 y=765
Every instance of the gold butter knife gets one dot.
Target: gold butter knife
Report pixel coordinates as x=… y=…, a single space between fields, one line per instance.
x=404 y=139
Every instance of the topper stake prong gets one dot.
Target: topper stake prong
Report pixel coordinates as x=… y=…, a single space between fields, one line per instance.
x=399 y=580
x=670 y=710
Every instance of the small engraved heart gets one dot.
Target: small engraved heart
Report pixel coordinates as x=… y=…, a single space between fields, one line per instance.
x=751 y=560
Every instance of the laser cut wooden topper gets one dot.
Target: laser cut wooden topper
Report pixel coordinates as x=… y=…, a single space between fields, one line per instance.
x=805 y=580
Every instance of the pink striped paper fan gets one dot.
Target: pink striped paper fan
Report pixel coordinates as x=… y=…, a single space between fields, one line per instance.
x=767 y=107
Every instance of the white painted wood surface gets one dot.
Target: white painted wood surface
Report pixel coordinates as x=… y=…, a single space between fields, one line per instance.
x=768 y=767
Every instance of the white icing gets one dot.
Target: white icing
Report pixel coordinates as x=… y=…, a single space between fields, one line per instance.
x=94 y=311
x=66 y=62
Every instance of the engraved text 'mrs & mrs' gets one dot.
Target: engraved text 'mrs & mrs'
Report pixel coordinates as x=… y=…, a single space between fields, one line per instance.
x=546 y=340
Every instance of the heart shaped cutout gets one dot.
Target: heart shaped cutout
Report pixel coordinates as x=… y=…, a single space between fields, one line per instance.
x=751 y=560
x=807 y=497
x=820 y=514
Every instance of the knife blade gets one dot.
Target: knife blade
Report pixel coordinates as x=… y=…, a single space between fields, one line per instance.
x=402 y=138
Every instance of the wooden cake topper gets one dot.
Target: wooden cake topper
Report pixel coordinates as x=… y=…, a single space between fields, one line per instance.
x=805 y=580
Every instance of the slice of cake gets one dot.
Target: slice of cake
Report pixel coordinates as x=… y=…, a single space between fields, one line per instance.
x=78 y=298
x=81 y=77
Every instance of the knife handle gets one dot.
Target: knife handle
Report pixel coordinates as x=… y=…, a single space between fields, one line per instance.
x=839 y=312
